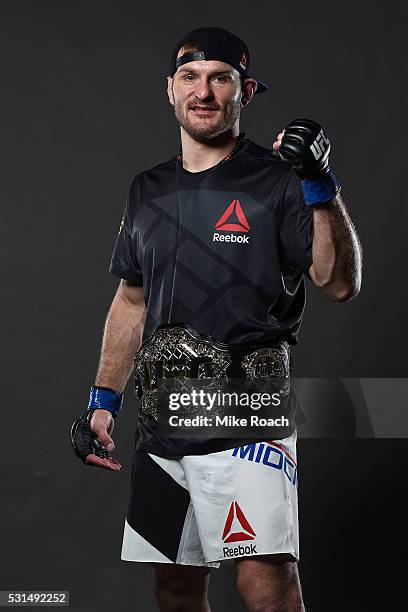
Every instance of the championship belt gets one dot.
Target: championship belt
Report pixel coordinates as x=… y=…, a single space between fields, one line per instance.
x=177 y=358
x=268 y=366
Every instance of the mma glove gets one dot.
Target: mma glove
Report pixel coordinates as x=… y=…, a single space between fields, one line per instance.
x=306 y=147
x=84 y=441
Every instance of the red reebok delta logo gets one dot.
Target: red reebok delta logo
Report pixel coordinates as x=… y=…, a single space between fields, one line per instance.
x=237 y=527
x=234 y=209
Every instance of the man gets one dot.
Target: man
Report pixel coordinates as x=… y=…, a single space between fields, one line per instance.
x=217 y=239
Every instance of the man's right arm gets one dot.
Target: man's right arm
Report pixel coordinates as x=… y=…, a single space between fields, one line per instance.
x=121 y=339
x=122 y=336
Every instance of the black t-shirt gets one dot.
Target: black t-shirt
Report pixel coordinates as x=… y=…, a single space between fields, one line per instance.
x=223 y=250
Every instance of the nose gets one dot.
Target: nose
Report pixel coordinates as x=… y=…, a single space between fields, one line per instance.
x=203 y=89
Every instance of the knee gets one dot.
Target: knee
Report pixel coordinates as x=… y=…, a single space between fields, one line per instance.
x=256 y=600
x=262 y=595
x=175 y=594
x=171 y=596
x=169 y=599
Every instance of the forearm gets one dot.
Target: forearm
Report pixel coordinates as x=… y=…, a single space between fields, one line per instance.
x=121 y=339
x=336 y=252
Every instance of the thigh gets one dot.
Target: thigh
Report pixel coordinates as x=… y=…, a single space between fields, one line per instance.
x=266 y=567
x=181 y=579
x=269 y=580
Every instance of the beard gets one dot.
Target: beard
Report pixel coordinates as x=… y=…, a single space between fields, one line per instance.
x=203 y=129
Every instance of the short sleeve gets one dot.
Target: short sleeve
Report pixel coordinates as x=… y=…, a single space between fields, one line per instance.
x=296 y=226
x=124 y=262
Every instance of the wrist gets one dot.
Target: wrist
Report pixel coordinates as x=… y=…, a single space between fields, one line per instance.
x=105 y=398
x=321 y=189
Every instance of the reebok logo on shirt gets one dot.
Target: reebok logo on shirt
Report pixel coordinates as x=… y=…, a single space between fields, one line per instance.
x=230 y=238
x=233 y=219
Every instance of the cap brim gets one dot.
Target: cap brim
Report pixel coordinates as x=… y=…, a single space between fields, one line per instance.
x=261 y=87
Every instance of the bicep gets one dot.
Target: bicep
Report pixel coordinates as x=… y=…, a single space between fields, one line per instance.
x=133 y=294
x=312 y=275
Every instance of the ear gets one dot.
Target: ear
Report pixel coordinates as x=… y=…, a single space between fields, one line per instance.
x=170 y=90
x=248 y=91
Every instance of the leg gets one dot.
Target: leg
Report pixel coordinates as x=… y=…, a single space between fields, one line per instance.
x=181 y=588
x=269 y=583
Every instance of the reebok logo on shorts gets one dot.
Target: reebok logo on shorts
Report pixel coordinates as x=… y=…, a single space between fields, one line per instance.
x=237 y=529
x=239 y=551
x=233 y=219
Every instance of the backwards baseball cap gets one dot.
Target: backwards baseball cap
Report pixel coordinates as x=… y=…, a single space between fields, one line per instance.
x=215 y=44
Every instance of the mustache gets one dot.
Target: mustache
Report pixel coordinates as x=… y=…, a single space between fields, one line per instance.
x=203 y=106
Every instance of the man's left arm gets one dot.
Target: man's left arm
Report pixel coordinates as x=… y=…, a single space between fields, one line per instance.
x=336 y=251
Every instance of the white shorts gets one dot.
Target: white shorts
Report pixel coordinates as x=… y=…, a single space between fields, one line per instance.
x=203 y=509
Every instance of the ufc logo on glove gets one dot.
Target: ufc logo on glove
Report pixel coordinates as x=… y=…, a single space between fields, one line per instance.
x=320 y=145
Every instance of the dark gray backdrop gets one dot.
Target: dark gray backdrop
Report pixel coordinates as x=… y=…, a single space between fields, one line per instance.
x=83 y=108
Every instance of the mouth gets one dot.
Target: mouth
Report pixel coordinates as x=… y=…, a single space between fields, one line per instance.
x=204 y=110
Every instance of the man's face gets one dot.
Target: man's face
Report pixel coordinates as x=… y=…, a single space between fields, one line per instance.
x=207 y=97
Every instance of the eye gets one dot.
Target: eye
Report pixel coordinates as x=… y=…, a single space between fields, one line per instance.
x=188 y=77
x=221 y=79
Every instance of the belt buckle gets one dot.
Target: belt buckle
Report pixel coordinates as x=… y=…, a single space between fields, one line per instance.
x=266 y=366
x=170 y=358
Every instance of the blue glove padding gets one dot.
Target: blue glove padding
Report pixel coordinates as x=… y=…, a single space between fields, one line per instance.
x=105 y=399
x=320 y=190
